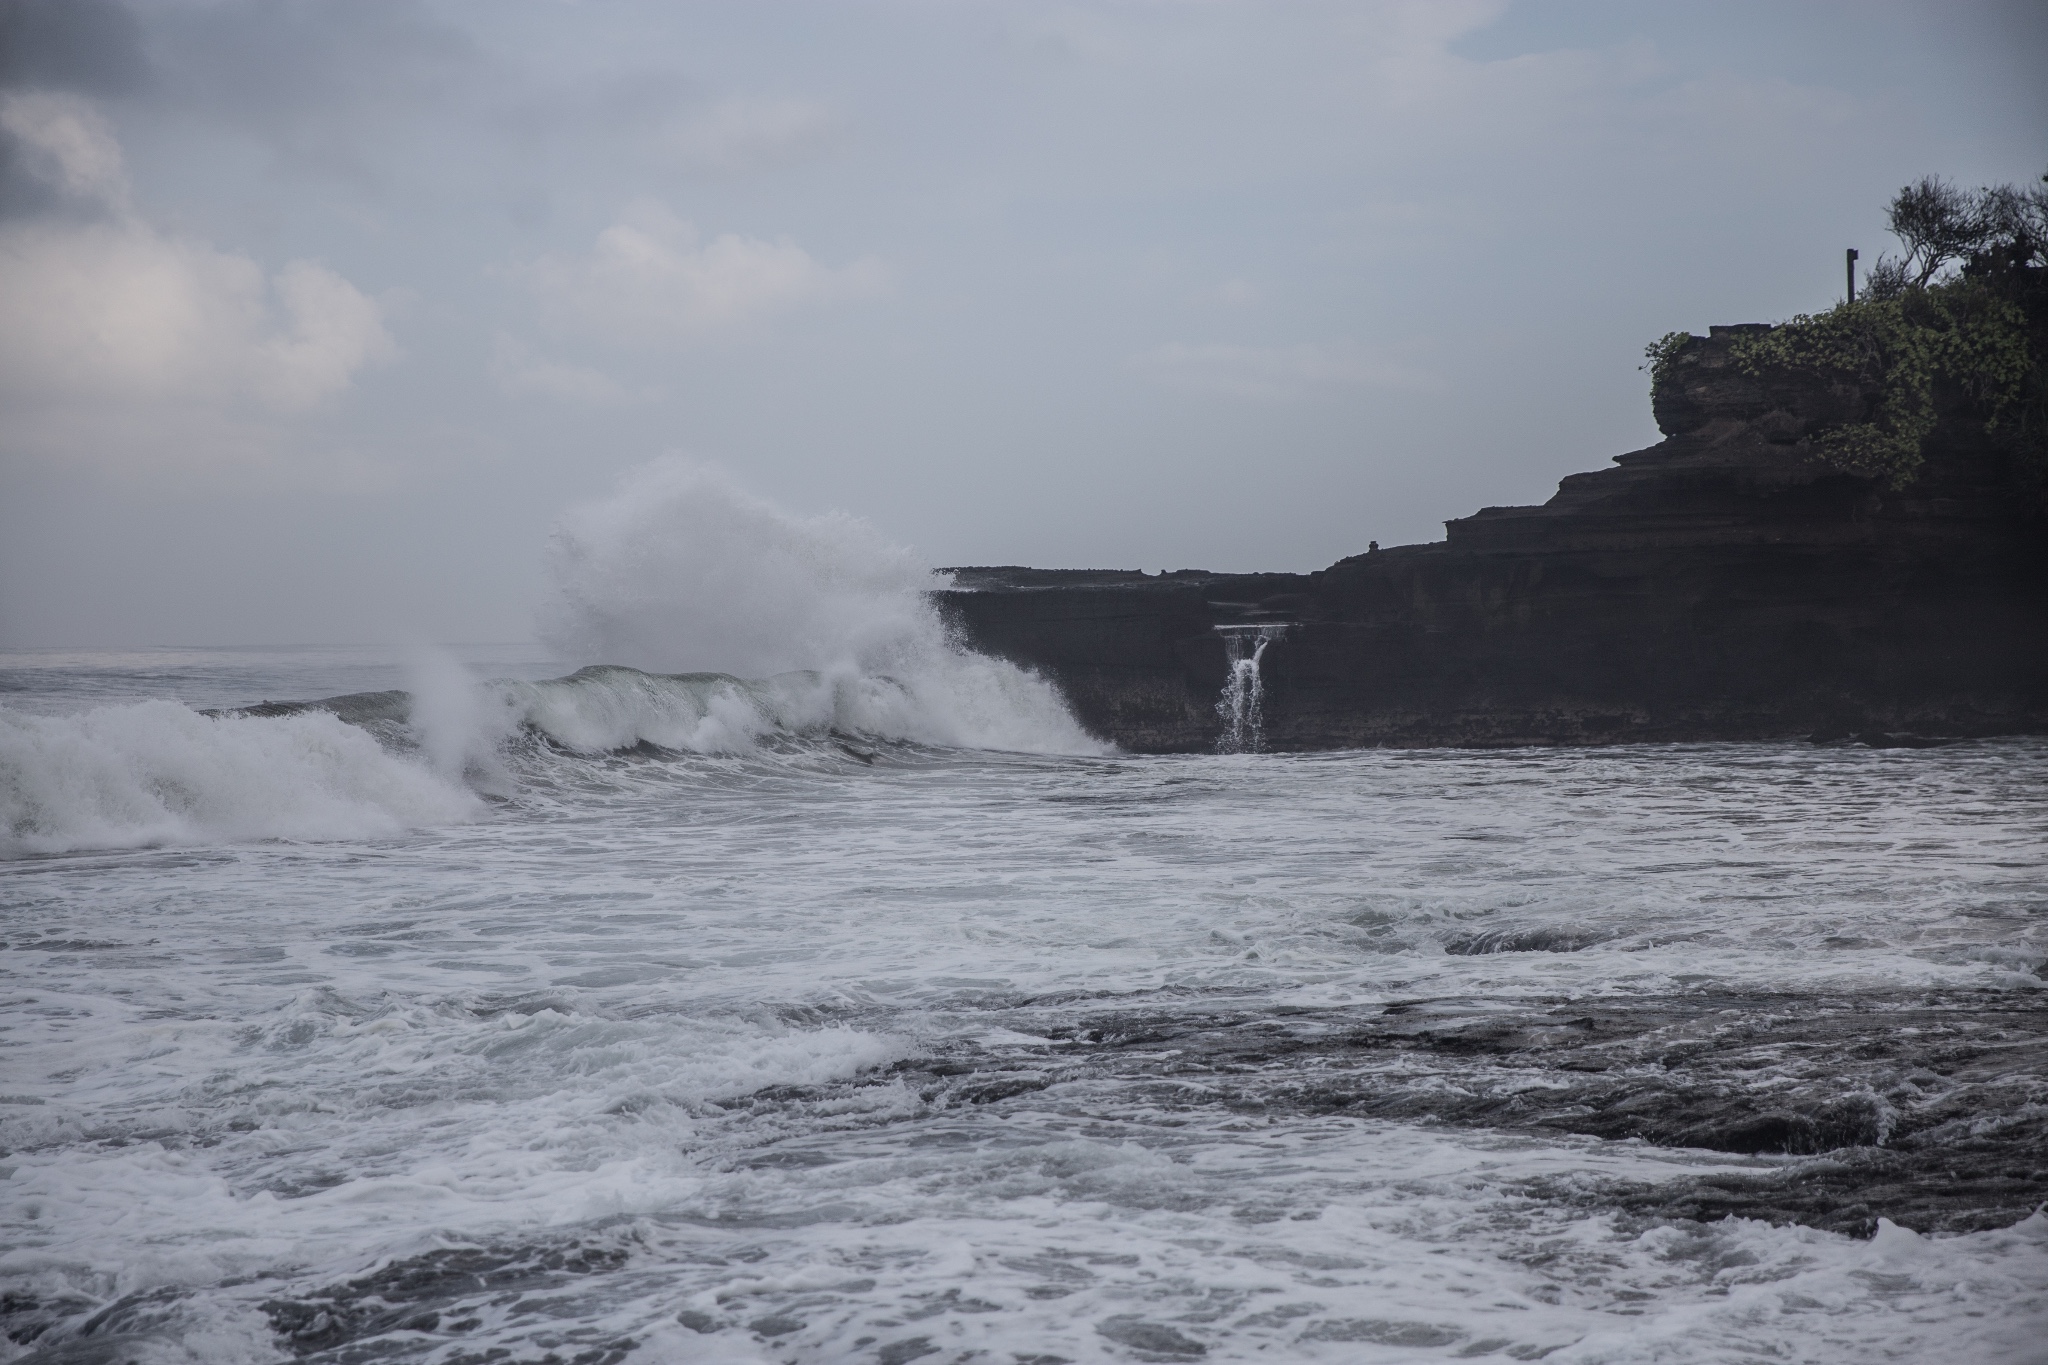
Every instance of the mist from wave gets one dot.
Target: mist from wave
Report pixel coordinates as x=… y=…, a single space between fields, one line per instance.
x=680 y=571
x=157 y=773
x=728 y=627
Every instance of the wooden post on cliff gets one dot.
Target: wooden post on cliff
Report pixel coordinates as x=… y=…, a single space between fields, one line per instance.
x=1852 y=274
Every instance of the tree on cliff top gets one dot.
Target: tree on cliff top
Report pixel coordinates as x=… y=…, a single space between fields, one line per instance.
x=1995 y=228
x=1958 y=326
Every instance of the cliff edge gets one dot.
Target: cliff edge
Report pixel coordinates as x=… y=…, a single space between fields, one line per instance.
x=1726 y=583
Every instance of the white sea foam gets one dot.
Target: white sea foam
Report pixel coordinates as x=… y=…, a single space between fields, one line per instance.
x=680 y=571
x=160 y=773
x=951 y=698
x=819 y=626
x=459 y=730
x=706 y=1018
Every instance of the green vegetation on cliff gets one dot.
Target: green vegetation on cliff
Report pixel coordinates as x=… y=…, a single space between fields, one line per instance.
x=1895 y=351
x=1955 y=328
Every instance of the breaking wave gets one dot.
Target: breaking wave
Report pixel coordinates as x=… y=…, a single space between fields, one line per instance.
x=157 y=772
x=955 y=702
x=681 y=573
x=818 y=630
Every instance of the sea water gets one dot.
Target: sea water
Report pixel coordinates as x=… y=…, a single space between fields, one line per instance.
x=872 y=1011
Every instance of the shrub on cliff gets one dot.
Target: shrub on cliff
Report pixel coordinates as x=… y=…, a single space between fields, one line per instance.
x=1662 y=354
x=1958 y=327
x=1961 y=333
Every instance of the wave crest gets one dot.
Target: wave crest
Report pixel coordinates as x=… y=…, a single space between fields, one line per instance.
x=156 y=772
x=953 y=700
x=817 y=628
x=683 y=574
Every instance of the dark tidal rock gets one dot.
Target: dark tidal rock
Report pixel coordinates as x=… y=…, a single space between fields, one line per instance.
x=1723 y=584
x=1930 y=1111
x=435 y=1294
x=1542 y=939
x=1153 y=1340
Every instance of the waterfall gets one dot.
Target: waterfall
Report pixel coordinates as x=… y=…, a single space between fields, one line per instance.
x=1242 y=705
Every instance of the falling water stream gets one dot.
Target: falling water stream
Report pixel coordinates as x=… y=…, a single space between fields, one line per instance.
x=1242 y=705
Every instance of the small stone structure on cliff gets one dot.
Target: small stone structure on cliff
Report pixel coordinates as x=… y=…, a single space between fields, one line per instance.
x=1723 y=584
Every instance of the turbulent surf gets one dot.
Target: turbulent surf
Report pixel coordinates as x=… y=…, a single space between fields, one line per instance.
x=840 y=1000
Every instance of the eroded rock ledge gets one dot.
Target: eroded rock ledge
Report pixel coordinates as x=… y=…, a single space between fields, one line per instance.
x=1723 y=584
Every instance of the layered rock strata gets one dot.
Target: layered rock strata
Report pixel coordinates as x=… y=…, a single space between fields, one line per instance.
x=1723 y=584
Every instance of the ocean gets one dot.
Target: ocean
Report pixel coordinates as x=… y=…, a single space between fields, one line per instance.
x=506 y=1011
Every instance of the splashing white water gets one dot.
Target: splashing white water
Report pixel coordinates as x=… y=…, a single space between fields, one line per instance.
x=1243 y=703
x=682 y=571
x=819 y=625
x=160 y=773
x=459 y=724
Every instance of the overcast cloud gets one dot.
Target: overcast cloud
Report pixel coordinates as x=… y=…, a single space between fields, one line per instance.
x=314 y=317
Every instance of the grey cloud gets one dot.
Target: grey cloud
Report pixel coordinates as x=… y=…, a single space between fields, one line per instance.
x=26 y=192
x=603 y=104
x=665 y=126
x=334 y=87
x=90 y=46
x=1240 y=285
x=313 y=61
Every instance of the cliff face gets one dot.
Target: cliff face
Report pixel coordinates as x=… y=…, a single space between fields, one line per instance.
x=1722 y=584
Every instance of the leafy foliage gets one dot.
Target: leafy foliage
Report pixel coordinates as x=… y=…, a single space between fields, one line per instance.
x=1961 y=319
x=1992 y=228
x=1660 y=355
x=1895 y=350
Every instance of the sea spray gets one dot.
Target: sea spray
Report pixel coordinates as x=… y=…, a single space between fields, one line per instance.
x=820 y=629
x=458 y=723
x=682 y=572
x=680 y=1052
x=608 y=707
x=156 y=772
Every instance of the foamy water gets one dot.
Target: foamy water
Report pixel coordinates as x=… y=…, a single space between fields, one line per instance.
x=845 y=1002
x=843 y=1048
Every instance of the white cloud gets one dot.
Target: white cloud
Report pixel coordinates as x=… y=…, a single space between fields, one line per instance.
x=518 y=370
x=70 y=146
x=111 y=316
x=650 y=277
x=1279 y=372
x=118 y=312
x=335 y=330
x=741 y=134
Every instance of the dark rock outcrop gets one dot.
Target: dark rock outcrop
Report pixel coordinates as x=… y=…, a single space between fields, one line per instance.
x=1722 y=584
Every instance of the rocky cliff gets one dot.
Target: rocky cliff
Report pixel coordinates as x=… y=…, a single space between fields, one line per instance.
x=1722 y=584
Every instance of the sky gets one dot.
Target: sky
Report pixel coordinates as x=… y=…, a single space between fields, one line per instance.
x=316 y=316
